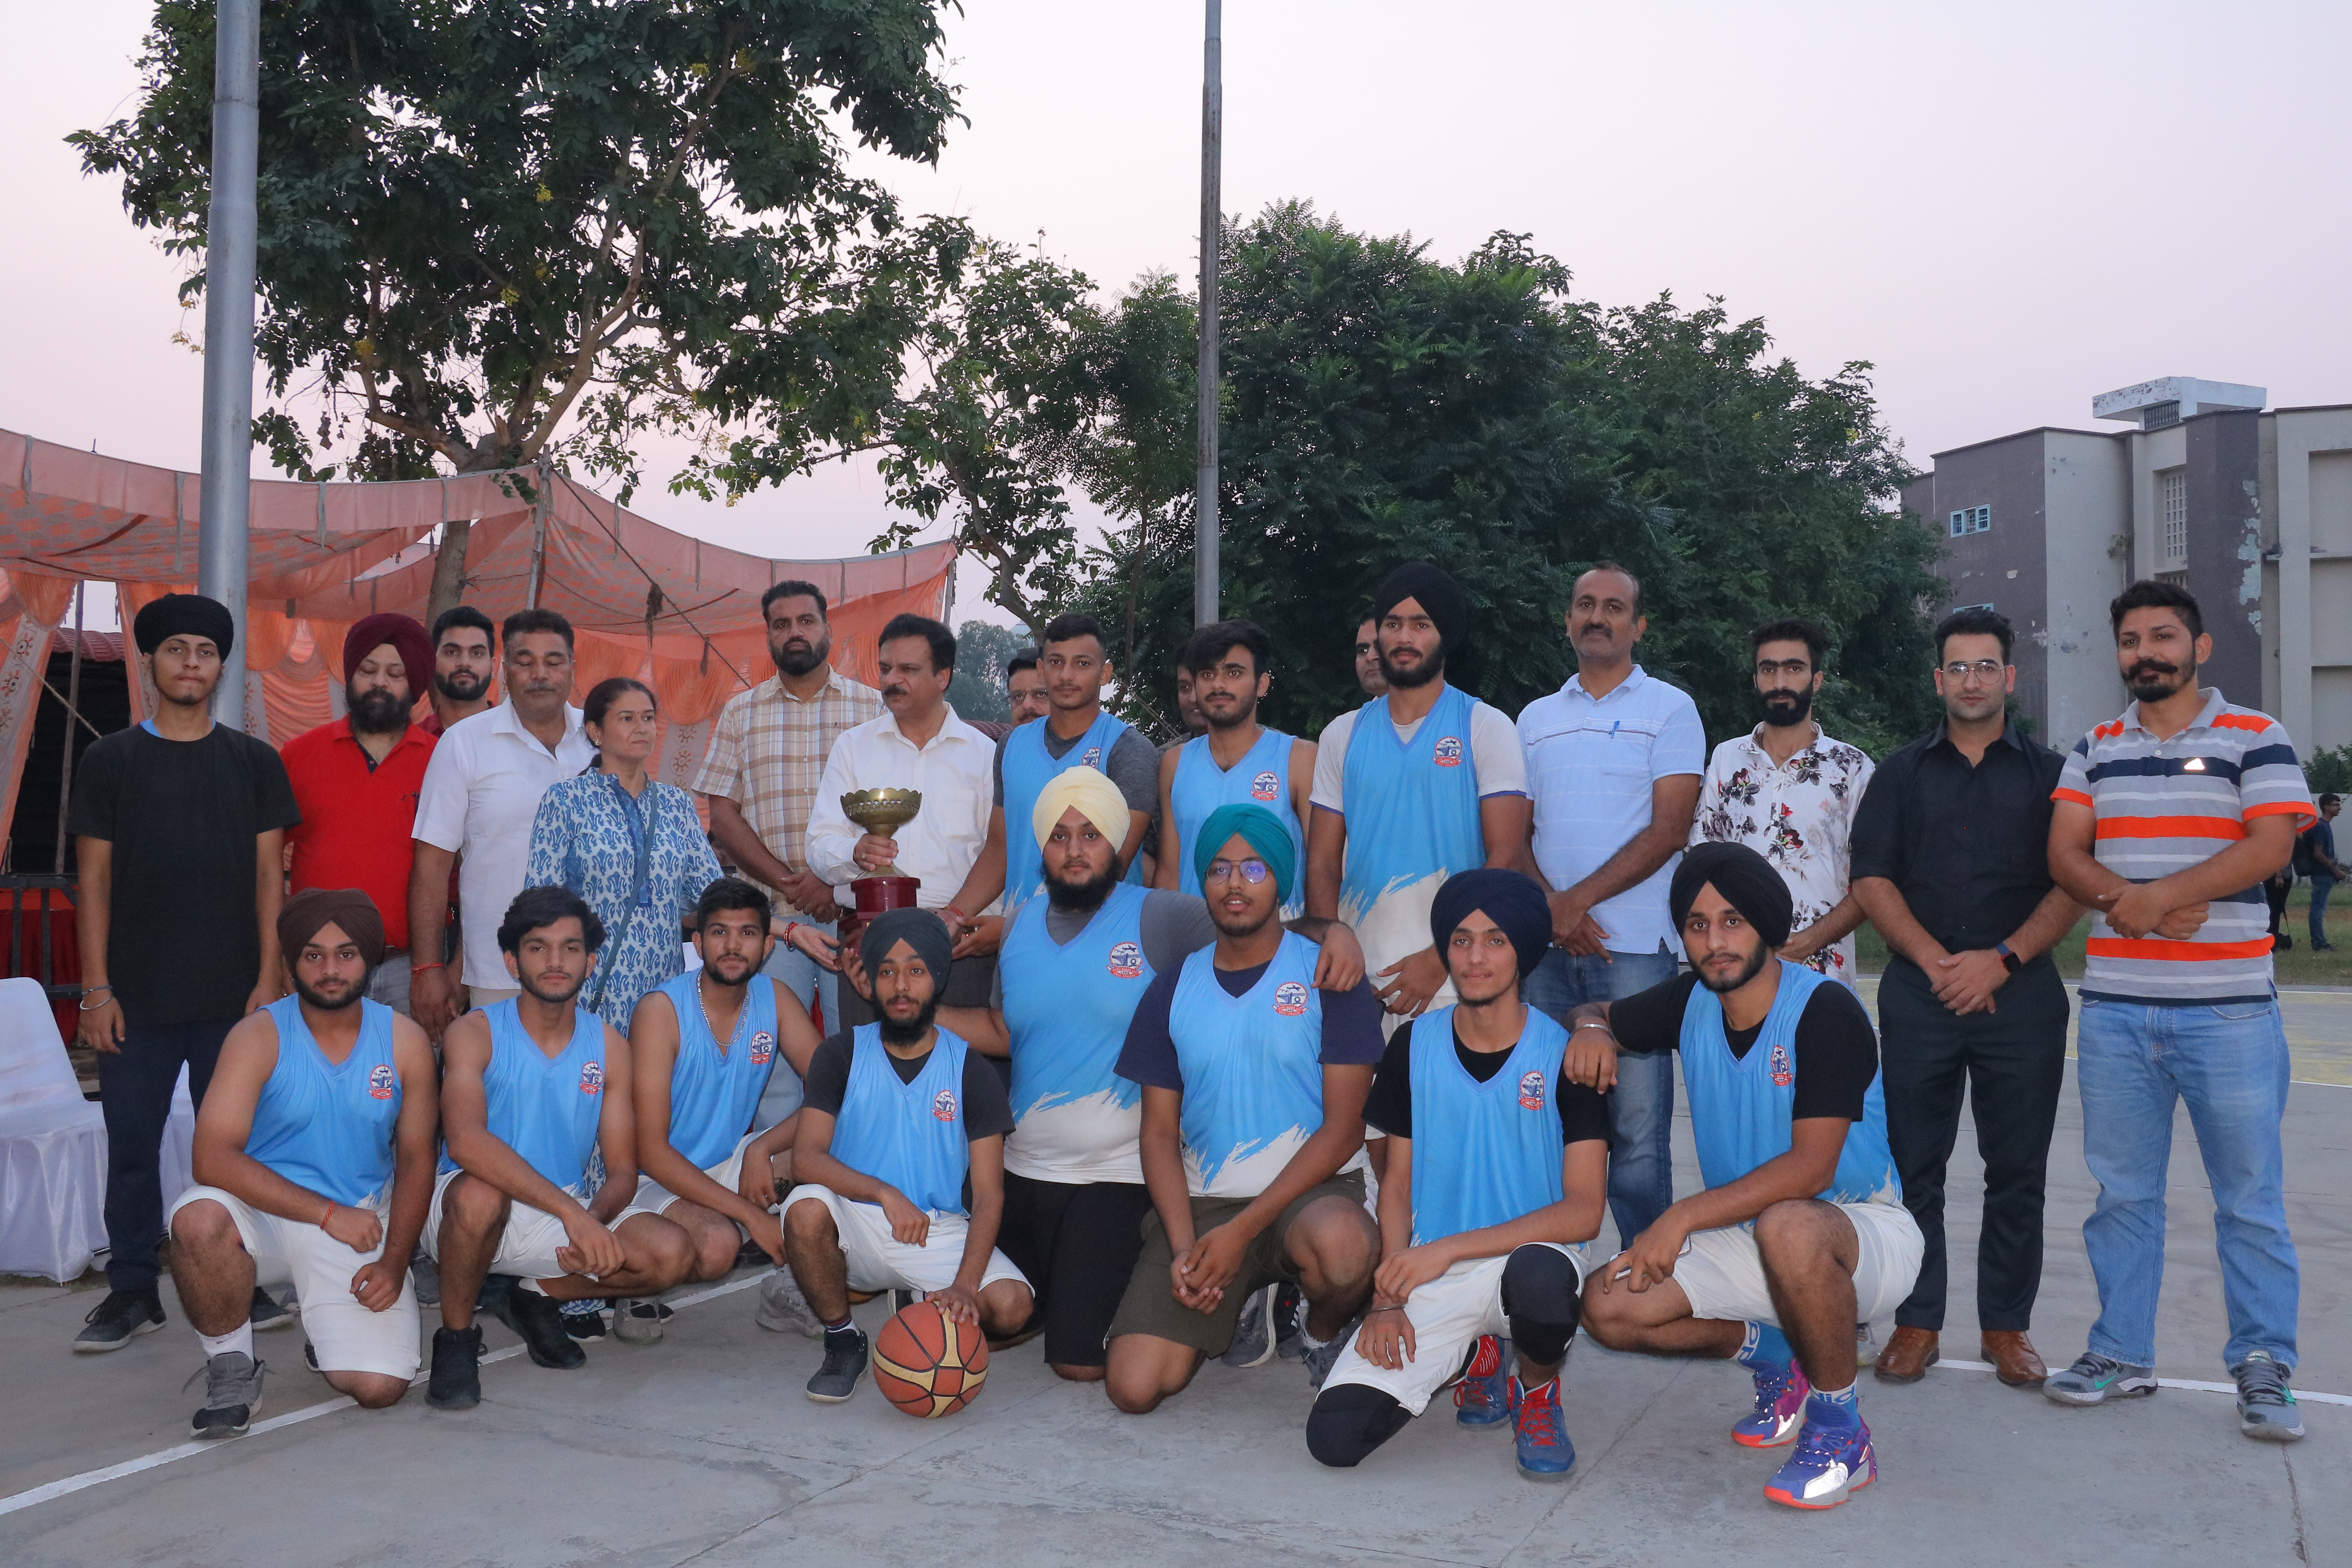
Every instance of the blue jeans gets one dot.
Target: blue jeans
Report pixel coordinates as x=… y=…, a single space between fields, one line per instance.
x=804 y=978
x=2322 y=884
x=2230 y=1064
x=1642 y=1109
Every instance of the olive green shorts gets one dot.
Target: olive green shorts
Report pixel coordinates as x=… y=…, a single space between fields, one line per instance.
x=1150 y=1306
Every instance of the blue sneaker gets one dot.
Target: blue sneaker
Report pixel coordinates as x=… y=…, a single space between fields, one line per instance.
x=1830 y=1463
x=1483 y=1397
x=1545 y=1454
x=1780 y=1394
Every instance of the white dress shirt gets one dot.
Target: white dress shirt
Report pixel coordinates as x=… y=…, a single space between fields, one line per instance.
x=479 y=798
x=955 y=773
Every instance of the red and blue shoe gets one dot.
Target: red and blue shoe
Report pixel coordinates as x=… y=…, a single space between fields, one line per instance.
x=1781 y=1394
x=1483 y=1397
x=1545 y=1454
x=1830 y=1464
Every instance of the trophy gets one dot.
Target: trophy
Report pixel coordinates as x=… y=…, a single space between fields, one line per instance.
x=883 y=812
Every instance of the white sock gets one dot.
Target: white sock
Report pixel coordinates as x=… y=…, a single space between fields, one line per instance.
x=1307 y=1337
x=238 y=1339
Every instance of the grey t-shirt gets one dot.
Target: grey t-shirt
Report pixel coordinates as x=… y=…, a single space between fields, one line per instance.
x=1174 y=926
x=1133 y=766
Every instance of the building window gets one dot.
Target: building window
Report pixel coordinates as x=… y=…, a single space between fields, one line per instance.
x=2178 y=579
x=2172 y=515
x=1972 y=520
x=1958 y=608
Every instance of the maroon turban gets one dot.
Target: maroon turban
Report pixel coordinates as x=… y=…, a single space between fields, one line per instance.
x=405 y=633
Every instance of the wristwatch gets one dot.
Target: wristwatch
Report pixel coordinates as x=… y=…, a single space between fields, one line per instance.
x=2008 y=960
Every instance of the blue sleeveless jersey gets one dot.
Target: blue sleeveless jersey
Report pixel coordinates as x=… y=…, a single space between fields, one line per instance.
x=1027 y=767
x=909 y=1134
x=714 y=1094
x=1741 y=1108
x=326 y=1126
x=545 y=1107
x=1067 y=1009
x=1484 y=1153
x=1252 y=1069
x=1260 y=778
x=1413 y=821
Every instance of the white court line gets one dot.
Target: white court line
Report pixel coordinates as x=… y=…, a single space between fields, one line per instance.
x=2229 y=1388
x=88 y=1479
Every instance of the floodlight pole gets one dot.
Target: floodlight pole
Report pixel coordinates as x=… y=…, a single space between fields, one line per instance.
x=1204 y=485
x=228 y=446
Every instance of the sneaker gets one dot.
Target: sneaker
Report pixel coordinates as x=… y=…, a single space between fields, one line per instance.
x=1830 y=1463
x=121 y=1317
x=310 y=1357
x=2095 y=1378
x=232 y=1395
x=844 y=1363
x=2266 y=1406
x=1865 y=1346
x=1780 y=1394
x=266 y=1314
x=426 y=1280
x=584 y=1321
x=456 y=1380
x=1541 y=1433
x=540 y=1322
x=1483 y=1397
x=1289 y=1322
x=1319 y=1359
x=637 y=1322
x=783 y=1309
x=901 y=1300
x=1252 y=1332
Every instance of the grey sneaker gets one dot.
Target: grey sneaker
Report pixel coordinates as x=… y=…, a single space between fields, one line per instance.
x=1320 y=1360
x=1866 y=1345
x=1253 y=1334
x=117 y=1320
x=637 y=1322
x=844 y=1363
x=2266 y=1407
x=266 y=1314
x=427 y=1279
x=2095 y=1378
x=232 y=1395
x=783 y=1309
x=1289 y=1322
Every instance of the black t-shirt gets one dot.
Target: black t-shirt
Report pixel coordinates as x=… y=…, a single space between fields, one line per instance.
x=1583 y=1114
x=183 y=935
x=987 y=1109
x=1836 y=1051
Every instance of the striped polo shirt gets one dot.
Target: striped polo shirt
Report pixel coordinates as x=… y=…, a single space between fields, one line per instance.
x=2166 y=805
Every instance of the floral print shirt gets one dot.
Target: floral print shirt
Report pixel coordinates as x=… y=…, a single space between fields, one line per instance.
x=1798 y=815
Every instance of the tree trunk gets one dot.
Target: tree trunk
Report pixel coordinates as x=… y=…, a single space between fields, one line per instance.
x=448 y=571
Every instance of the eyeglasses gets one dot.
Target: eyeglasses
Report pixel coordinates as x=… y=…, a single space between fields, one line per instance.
x=1983 y=670
x=1252 y=871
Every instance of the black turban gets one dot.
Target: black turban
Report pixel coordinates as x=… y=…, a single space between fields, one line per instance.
x=178 y=615
x=1436 y=590
x=1746 y=882
x=312 y=910
x=1510 y=898
x=918 y=929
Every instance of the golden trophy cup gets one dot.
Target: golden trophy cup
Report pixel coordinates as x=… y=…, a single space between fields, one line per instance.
x=883 y=812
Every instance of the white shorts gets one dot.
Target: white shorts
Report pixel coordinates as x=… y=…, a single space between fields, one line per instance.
x=347 y=1336
x=880 y=1261
x=1723 y=1274
x=654 y=1198
x=527 y=1250
x=1447 y=1314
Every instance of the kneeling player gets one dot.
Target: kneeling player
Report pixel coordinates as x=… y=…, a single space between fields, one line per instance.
x=899 y=1113
x=1497 y=1175
x=315 y=1152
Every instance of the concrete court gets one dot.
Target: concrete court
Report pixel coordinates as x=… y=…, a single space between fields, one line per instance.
x=703 y=1451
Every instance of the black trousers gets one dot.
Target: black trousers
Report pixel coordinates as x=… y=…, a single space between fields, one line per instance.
x=2013 y=1063
x=134 y=1090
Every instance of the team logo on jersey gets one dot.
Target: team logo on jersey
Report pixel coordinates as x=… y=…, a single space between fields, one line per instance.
x=1449 y=751
x=1127 y=961
x=1782 y=1073
x=1266 y=786
x=943 y=1105
x=1290 y=998
x=1531 y=1090
x=381 y=1083
x=1093 y=759
x=591 y=1078
x=764 y=1048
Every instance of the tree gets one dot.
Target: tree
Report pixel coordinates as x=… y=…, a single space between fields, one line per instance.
x=491 y=229
x=983 y=650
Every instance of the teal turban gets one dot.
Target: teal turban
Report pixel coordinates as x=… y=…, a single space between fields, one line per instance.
x=1262 y=831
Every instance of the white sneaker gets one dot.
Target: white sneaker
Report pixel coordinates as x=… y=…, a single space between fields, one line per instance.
x=783 y=1309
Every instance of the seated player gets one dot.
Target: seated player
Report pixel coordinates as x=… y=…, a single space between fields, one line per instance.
x=1801 y=1232
x=523 y=1107
x=1253 y=1138
x=1498 y=1172
x=702 y=1048
x=314 y=1150
x=900 y=1112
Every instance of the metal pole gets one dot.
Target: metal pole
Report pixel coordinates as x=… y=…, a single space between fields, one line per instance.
x=73 y=711
x=1204 y=484
x=226 y=494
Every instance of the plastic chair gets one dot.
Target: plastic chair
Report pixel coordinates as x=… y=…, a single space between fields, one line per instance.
x=52 y=1146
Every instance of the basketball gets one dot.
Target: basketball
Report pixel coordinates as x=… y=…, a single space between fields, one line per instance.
x=927 y=1364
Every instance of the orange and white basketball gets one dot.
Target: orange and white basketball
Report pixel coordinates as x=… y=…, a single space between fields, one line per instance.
x=926 y=1364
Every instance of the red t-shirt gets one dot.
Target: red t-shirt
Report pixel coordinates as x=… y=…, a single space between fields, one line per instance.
x=357 y=820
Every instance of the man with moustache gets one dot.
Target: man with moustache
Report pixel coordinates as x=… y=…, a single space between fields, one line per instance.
x=356 y=780
x=532 y=1087
x=1238 y=760
x=2181 y=807
x=1024 y=684
x=1367 y=657
x=314 y=1154
x=759 y=778
x=1614 y=763
x=463 y=666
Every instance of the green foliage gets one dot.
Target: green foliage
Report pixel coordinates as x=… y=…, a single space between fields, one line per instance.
x=2329 y=772
x=983 y=649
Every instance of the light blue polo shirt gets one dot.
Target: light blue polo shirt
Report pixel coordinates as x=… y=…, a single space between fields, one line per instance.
x=1590 y=763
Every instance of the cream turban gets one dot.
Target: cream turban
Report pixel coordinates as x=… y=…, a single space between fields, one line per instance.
x=1091 y=791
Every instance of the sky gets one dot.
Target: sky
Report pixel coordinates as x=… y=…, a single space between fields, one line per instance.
x=2005 y=208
